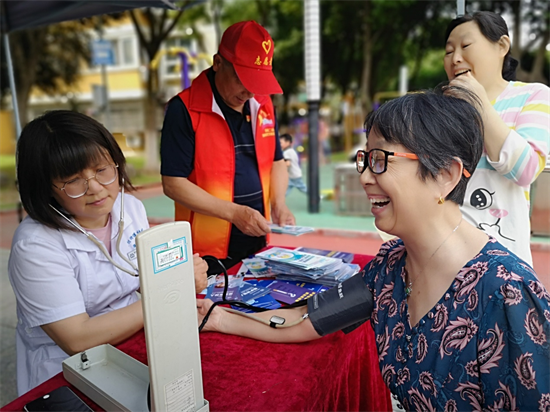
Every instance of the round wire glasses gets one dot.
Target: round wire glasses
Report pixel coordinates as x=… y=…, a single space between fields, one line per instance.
x=78 y=187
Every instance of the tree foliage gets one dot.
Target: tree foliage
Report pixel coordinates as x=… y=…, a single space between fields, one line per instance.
x=530 y=18
x=354 y=34
x=363 y=43
x=153 y=27
x=48 y=58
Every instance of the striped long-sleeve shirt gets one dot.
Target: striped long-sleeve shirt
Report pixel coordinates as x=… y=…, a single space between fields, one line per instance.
x=497 y=197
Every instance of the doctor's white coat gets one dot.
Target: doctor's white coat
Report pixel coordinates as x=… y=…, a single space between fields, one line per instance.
x=56 y=274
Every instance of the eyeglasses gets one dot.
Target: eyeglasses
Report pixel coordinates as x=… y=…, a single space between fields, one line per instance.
x=377 y=160
x=78 y=187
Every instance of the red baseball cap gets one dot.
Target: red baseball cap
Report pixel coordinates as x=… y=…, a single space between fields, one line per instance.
x=249 y=47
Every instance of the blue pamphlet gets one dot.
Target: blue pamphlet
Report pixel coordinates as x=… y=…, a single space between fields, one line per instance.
x=316 y=287
x=246 y=292
x=266 y=302
x=286 y=292
x=251 y=292
x=346 y=257
x=215 y=293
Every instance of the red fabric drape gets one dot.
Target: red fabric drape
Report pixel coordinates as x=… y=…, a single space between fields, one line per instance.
x=335 y=373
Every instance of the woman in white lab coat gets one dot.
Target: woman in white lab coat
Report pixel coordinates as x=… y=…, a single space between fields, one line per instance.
x=71 y=267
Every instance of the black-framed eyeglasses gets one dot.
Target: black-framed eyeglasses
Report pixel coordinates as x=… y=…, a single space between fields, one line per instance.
x=377 y=160
x=78 y=187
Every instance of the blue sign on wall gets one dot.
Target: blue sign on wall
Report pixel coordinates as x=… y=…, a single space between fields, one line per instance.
x=102 y=52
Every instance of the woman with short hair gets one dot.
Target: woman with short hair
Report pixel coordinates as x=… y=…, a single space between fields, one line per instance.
x=461 y=323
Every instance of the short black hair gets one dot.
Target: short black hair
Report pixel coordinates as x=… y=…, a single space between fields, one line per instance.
x=286 y=137
x=57 y=145
x=493 y=27
x=437 y=126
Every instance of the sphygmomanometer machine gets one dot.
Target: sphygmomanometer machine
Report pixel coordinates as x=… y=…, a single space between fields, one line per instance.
x=173 y=380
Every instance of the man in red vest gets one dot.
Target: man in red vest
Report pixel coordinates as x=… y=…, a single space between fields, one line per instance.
x=222 y=162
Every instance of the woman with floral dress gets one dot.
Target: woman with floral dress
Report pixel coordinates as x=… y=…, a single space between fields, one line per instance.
x=461 y=323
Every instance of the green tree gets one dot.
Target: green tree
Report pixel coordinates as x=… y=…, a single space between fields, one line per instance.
x=153 y=27
x=530 y=17
x=48 y=58
x=363 y=43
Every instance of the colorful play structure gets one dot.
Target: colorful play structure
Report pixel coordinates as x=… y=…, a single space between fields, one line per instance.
x=186 y=59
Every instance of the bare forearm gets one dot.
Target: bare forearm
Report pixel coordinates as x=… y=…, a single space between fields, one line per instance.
x=81 y=332
x=114 y=327
x=495 y=132
x=280 y=214
x=193 y=197
x=242 y=326
x=279 y=182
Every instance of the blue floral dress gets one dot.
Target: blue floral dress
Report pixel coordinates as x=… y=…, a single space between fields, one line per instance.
x=484 y=346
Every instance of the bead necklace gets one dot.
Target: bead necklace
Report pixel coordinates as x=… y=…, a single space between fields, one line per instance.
x=408 y=289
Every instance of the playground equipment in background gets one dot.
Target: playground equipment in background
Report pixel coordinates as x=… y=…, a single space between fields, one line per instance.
x=186 y=58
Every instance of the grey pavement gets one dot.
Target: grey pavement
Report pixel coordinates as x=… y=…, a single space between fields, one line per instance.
x=8 y=321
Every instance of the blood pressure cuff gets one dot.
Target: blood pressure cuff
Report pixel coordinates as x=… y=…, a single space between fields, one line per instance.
x=344 y=307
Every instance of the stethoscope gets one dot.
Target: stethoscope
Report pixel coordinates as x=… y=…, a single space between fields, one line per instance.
x=100 y=245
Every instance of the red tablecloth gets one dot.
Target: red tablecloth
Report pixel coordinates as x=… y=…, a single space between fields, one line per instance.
x=335 y=373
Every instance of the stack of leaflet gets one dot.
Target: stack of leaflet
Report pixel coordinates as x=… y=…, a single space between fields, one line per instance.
x=290 y=229
x=244 y=292
x=288 y=292
x=347 y=257
x=255 y=267
x=241 y=290
x=294 y=265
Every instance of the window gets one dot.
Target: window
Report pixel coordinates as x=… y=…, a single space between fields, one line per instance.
x=127 y=55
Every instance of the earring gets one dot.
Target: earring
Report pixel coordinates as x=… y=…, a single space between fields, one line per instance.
x=440 y=201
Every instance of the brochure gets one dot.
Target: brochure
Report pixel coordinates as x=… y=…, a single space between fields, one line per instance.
x=251 y=292
x=255 y=267
x=291 y=230
x=306 y=261
x=286 y=292
x=214 y=292
x=266 y=302
x=315 y=287
x=347 y=257
x=237 y=290
x=244 y=292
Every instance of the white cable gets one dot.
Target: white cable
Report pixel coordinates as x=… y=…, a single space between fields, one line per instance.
x=266 y=322
x=121 y=229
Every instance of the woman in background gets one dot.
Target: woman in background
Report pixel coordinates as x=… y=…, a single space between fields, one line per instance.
x=70 y=295
x=516 y=118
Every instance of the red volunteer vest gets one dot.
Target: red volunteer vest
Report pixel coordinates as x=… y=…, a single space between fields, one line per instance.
x=216 y=174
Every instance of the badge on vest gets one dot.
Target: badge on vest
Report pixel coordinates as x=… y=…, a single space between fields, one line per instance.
x=266 y=124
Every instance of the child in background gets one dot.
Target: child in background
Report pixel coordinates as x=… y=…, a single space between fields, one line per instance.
x=291 y=160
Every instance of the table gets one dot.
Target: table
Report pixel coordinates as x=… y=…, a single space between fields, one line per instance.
x=335 y=373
